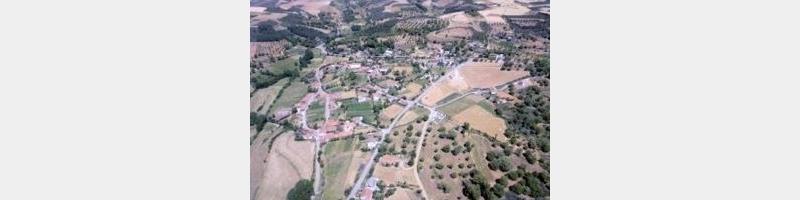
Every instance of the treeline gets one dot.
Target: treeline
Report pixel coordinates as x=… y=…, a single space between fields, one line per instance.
x=265 y=32
x=266 y=78
x=378 y=30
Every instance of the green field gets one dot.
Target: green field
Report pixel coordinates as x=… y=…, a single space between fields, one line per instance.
x=290 y=95
x=449 y=98
x=457 y=106
x=363 y=109
x=338 y=156
x=316 y=112
x=281 y=66
x=486 y=105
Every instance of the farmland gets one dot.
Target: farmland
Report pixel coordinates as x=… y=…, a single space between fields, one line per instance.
x=339 y=159
x=488 y=75
x=290 y=96
x=263 y=99
x=288 y=162
x=452 y=98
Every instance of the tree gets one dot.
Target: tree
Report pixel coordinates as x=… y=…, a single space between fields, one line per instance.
x=302 y=190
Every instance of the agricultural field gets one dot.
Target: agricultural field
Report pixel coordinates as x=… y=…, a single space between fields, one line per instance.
x=341 y=159
x=466 y=81
x=312 y=7
x=316 y=112
x=263 y=98
x=391 y=111
x=411 y=90
x=259 y=153
x=488 y=75
x=290 y=96
x=478 y=113
x=289 y=161
x=363 y=109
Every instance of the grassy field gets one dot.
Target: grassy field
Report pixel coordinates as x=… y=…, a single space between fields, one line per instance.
x=290 y=95
x=316 y=112
x=263 y=98
x=457 y=106
x=284 y=65
x=363 y=109
x=337 y=159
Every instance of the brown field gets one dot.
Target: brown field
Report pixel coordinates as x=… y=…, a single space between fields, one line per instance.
x=450 y=84
x=259 y=154
x=450 y=34
x=395 y=175
x=428 y=173
x=262 y=17
x=408 y=117
x=346 y=94
x=394 y=6
x=313 y=7
x=482 y=120
x=391 y=111
x=411 y=90
x=288 y=162
x=263 y=98
x=488 y=74
x=403 y=194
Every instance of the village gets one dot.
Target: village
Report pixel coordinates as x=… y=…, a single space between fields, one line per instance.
x=401 y=117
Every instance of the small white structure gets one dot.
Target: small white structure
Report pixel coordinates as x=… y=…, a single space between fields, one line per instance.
x=354 y=66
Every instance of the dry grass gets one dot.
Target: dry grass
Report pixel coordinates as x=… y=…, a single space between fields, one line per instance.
x=395 y=175
x=450 y=84
x=408 y=117
x=411 y=90
x=403 y=194
x=391 y=111
x=482 y=120
x=264 y=97
x=346 y=94
x=262 y=17
x=450 y=34
x=488 y=74
x=288 y=162
x=313 y=7
x=259 y=154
